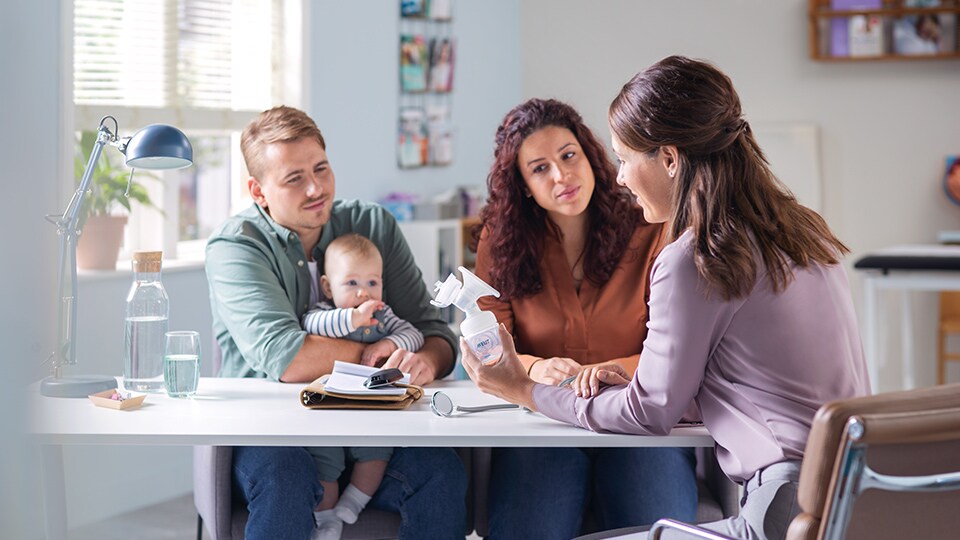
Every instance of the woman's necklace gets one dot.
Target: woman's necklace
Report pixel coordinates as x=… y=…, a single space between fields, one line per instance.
x=573 y=238
x=576 y=269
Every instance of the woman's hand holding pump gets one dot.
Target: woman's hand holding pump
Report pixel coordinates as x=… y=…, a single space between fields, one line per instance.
x=505 y=378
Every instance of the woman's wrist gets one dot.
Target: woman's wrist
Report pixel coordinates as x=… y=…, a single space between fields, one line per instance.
x=530 y=367
x=524 y=395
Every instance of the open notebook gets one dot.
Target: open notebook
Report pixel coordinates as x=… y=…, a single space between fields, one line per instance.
x=348 y=379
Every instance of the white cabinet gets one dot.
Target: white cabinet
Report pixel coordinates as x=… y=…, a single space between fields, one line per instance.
x=437 y=247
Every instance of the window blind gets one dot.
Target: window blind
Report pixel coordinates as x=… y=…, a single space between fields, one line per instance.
x=199 y=64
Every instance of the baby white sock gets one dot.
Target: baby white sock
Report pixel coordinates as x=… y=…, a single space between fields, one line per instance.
x=329 y=526
x=351 y=503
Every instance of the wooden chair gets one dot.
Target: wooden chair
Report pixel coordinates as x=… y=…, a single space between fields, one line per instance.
x=949 y=324
x=881 y=466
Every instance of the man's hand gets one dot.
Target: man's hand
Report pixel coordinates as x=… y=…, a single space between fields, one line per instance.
x=553 y=370
x=363 y=314
x=375 y=353
x=421 y=371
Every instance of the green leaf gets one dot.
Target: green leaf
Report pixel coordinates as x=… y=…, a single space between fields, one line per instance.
x=108 y=185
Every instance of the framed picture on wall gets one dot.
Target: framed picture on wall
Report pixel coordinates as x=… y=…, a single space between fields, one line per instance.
x=412 y=8
x=951 y=178
x=440 y=10
x=441 y=64
x=439 y=135
x=413 y=63
x=412 y=143
x=924 y=33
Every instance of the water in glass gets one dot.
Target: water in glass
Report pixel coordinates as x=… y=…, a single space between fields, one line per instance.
x=181 y=363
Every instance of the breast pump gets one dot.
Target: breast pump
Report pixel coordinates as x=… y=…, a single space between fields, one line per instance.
x=479 y=329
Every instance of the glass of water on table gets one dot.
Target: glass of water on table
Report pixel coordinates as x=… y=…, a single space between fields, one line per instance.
x=181 y=363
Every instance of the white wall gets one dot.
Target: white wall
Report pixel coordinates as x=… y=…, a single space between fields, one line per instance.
x=354 y=92
x=29 y=48
x=885 y=127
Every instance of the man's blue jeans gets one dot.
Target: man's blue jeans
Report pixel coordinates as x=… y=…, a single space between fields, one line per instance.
x=426 y=486
x=544 y=492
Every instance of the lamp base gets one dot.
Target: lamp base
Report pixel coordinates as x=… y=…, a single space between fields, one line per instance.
x=76 y=386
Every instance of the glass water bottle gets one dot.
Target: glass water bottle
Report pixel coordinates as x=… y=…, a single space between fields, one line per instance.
x=148 y=312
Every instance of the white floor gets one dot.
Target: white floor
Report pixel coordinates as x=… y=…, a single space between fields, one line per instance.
x=175 y=519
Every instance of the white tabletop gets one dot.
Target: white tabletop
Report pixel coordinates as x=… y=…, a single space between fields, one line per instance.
x=235 y=412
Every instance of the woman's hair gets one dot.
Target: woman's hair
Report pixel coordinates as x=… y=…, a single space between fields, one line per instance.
x=514 y=225
x=725 y=191
x=279 y=124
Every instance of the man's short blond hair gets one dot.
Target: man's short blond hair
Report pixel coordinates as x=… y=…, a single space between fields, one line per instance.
x=352 y=245
x=279 y=124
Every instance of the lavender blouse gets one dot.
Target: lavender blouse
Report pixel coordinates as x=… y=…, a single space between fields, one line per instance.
x=756 y=367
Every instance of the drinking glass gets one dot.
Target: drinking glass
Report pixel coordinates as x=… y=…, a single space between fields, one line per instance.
x=181 y=363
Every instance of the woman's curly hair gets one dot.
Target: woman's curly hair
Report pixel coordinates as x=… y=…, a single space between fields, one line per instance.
x=514 y=225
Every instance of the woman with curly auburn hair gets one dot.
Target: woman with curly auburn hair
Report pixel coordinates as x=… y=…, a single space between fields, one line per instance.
x=570 y=253
x=751 y=317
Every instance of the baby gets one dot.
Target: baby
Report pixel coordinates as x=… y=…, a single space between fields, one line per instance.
x=352 y=285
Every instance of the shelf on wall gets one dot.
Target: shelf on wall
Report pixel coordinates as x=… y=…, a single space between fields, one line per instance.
x=878 y=43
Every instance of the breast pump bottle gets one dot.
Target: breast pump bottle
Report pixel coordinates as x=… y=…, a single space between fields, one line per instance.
x=479 y=329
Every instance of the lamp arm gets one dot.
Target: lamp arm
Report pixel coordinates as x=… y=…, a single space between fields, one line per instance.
x=71 y=216
x=68 y=230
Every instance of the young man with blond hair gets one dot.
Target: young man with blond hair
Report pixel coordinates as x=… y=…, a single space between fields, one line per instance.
x=258 y=268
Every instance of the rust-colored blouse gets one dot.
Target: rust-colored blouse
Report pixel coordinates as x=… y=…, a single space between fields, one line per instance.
x=598 y=324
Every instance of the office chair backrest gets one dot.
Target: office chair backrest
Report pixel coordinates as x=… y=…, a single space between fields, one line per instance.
x=897 y=443
x=949 y=305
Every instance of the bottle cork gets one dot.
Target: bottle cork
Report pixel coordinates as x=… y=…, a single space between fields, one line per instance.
x=147 y=261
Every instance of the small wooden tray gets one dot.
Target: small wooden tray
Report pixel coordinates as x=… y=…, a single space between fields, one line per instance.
x=102 y=399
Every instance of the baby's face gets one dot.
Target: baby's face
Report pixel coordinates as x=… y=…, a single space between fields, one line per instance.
x=353 y=280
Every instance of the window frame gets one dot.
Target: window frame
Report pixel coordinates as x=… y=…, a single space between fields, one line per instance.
x=143 y=223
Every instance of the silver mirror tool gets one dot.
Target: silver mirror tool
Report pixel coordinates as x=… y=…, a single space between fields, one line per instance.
x=442 y=405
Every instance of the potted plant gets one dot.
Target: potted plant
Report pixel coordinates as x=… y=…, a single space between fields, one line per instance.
x=101 y=227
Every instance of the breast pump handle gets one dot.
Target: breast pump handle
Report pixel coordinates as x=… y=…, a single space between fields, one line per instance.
x=479 y=328
x=463 y=295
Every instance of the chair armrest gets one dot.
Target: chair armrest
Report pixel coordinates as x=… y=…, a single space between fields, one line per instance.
x=697 y=532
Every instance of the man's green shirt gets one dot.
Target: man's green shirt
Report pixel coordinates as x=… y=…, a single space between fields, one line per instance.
x=260 y=284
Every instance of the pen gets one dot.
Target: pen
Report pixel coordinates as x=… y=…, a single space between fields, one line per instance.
x=569 y=380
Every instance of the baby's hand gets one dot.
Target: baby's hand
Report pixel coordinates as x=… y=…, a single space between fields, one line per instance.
x=363 y=314
x=375 y=353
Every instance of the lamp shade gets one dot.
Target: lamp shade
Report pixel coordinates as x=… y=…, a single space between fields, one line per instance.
x=159 y=146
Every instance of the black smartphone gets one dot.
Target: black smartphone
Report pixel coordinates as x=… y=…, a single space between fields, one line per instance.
x=383 y=378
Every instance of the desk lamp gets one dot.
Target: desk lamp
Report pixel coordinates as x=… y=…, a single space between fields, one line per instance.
x=157 y=146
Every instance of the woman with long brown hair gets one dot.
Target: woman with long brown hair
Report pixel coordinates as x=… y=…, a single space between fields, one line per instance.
x=751 y=319
x=570 y=253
